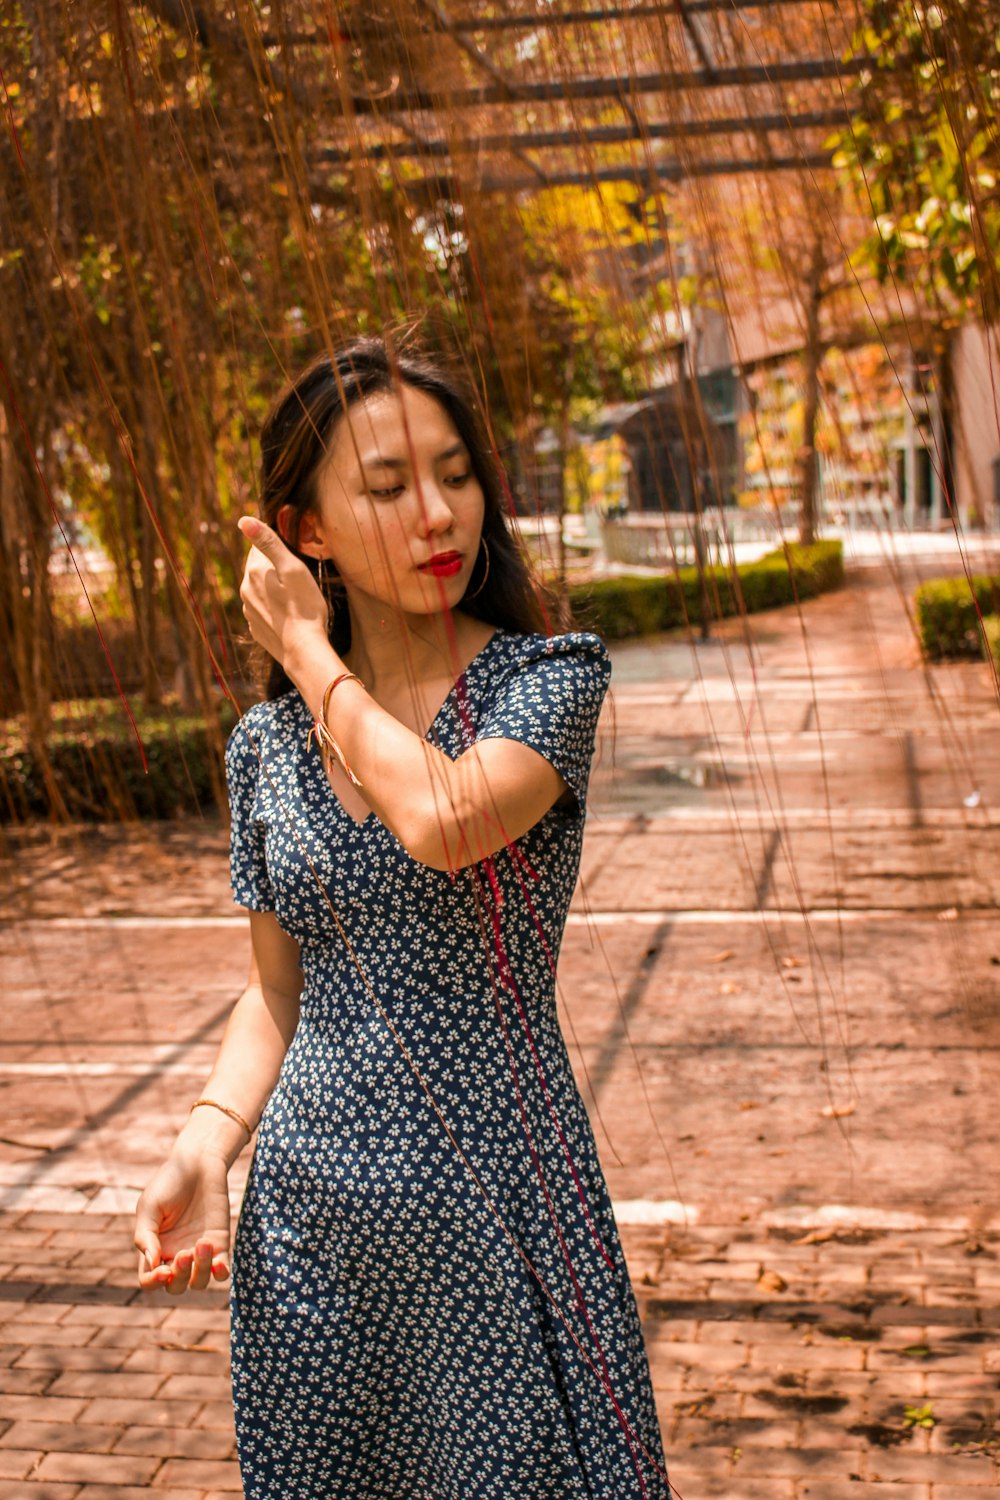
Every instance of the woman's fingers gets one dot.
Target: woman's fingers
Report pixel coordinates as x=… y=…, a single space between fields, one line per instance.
x=152 y=1273
x=283 y=605
x=178 y=1282
x=182 y=1228
x=190 y=1270
x=260 y=535
x=201 y=1270
x=151 y=1277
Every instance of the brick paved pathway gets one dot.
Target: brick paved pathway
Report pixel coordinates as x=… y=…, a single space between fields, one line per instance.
x=787 y=1026
x=821 y=1365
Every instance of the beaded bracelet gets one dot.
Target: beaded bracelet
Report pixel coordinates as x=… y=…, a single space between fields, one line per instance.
x=233 y=1114
x=324 y=739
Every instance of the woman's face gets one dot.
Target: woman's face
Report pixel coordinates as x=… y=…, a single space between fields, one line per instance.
x=400 y=511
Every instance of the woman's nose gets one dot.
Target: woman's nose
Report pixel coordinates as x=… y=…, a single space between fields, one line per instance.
x=436 y=514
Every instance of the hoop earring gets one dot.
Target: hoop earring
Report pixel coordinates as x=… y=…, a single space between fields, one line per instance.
x=486 y=575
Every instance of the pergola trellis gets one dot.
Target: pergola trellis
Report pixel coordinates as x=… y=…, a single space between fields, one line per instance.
x=754 y=114
x=411 y=114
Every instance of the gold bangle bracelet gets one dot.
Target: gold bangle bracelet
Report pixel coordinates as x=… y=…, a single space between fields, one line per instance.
x=233 y=1114
x=344 y=677
x=324 y=738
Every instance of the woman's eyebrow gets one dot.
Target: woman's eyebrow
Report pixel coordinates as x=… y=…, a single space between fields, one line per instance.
x=384 y=461
x=380 y=461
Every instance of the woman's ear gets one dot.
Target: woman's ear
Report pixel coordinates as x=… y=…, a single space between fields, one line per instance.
x=285 y=525
x=299 y=530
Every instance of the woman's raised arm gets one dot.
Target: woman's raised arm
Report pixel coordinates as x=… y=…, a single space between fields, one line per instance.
x=446 y=813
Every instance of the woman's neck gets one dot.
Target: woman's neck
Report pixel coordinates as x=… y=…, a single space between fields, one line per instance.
x=389 y=649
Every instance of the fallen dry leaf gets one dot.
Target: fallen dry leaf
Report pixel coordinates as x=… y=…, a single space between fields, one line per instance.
x=950 y=914
x=838 y=1111
x=770 y=1281
x=791 y=962
x=817 y=1237
x=729 y=987
x=720 y=958
x=749 y=1104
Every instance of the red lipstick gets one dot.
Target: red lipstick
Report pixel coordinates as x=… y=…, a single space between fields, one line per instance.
x=443 y=564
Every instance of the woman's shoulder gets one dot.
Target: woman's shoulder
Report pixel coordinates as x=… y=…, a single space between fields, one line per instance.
x=565 y=673
x=572 y=648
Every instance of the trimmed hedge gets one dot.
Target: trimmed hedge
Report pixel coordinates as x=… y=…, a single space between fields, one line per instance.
x=94 y=759
x=991 y=643
x=946 y=614
x=620 y=607
x=95 y=763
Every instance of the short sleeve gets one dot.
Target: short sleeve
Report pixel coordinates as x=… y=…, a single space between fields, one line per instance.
x=549 y=697
x=247 y=861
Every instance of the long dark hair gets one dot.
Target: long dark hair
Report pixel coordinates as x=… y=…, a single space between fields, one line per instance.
x=294 y=443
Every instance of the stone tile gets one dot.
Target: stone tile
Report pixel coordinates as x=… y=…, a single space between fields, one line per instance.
x=32 y=1312
x=799 y=1462
x=96 y=1383
x=964 y=1383
x=98 y=1468
x=152 y=1359
x=60 y=1437
x=693 y=1485
x=846 y=1489
x=177 y=1442
x=42 y=1408
x=122 y=1412
x=750 y=1332
x=216 y=1414
x=208 y=1387
x=43 y=1357
x=104 y=1315
x=933 y=1468
x=133 y=1492
x=813 y=1357
x=58 y=1274
x=199 y=1474
x=17 y=1463
x=15 y=1490
x=959 y=1492
x=939 y=1360
x=15 y=1382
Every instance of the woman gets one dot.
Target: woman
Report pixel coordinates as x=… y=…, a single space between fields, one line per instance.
x=429 y=1296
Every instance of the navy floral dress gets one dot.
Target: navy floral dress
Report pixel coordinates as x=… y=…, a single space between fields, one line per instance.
x=429 y=1296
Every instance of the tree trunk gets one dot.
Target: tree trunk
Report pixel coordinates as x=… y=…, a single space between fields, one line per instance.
x=812 y=359
x=12 y=600
x=152 y=695
x=40 y=639
x=561 y=538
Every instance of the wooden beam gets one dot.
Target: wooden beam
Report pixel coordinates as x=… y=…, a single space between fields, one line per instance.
x=548 y=20
x=560 y=90
x=649 y=177
x=595 y=16
x=601 y=135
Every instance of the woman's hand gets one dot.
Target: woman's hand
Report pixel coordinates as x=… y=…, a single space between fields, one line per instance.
x=182 y=1223
x=283 y=605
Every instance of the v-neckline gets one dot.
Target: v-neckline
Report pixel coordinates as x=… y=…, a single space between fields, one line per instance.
x=362 y=822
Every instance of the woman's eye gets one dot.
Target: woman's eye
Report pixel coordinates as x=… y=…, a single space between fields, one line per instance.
x=390 y=494
x=457 y=480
